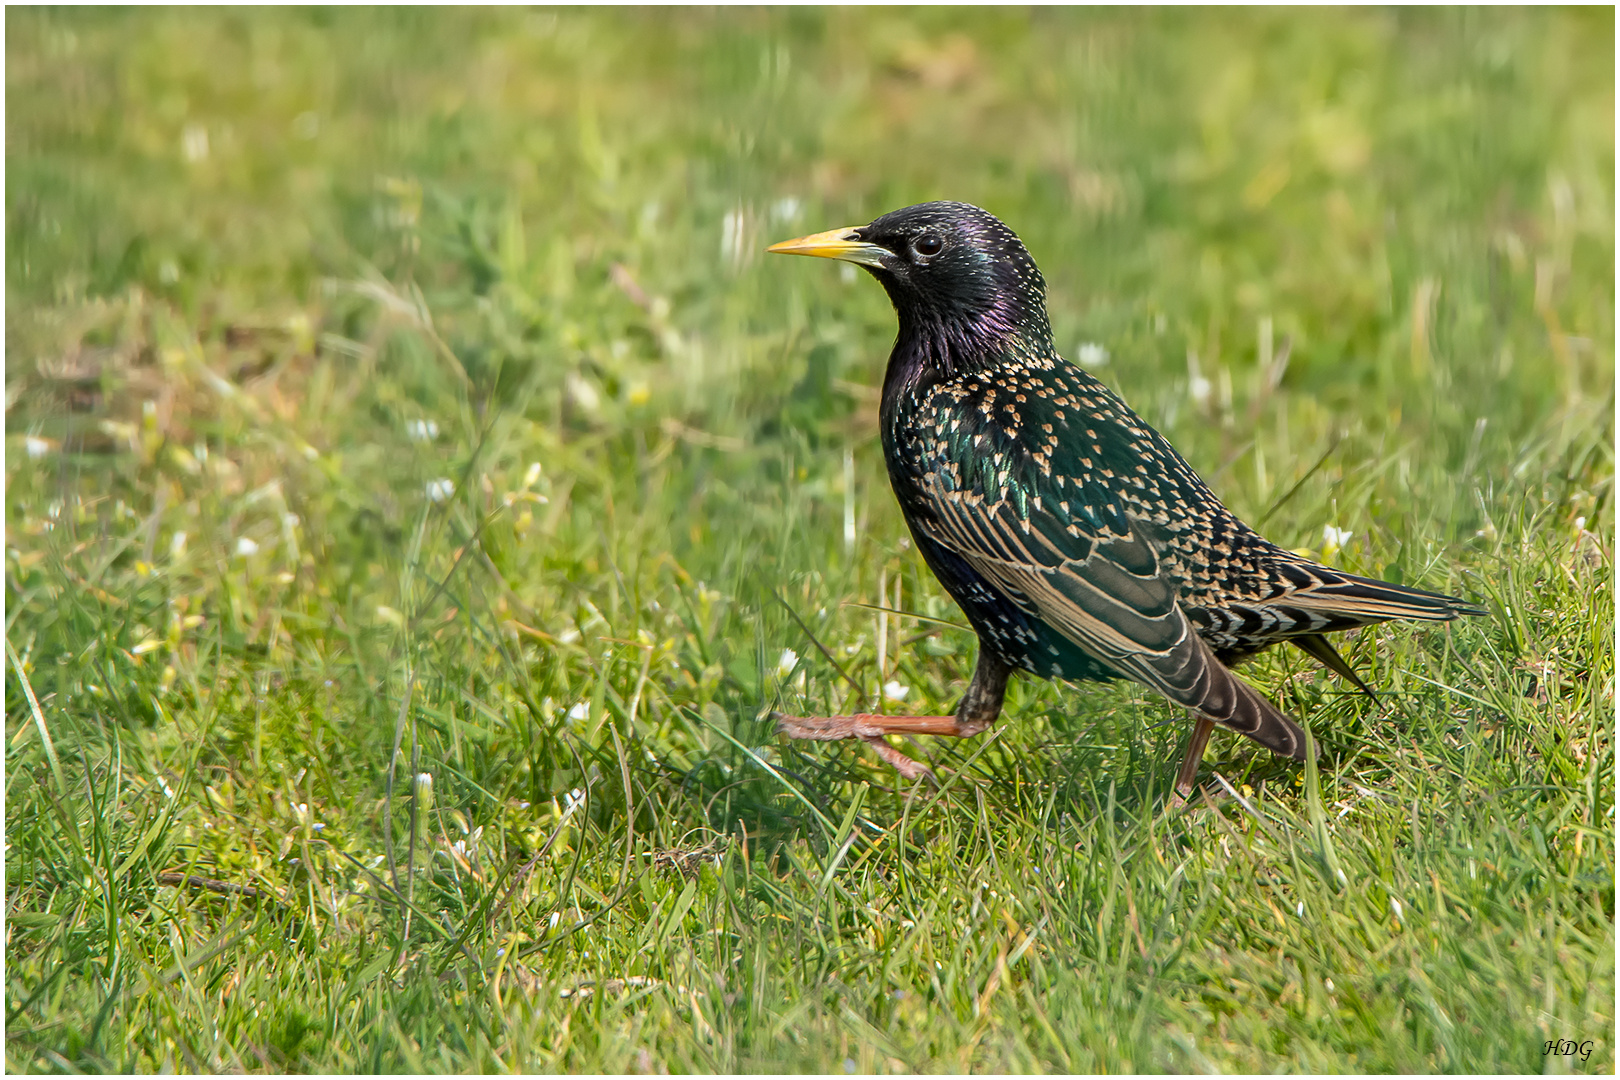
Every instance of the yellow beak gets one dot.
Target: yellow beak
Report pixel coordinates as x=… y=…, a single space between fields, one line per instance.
x=835 y=244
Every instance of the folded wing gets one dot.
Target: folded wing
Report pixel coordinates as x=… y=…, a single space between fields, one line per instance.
x=1073 y=557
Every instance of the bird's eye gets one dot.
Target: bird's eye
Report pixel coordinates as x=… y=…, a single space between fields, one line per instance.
x=928 y=244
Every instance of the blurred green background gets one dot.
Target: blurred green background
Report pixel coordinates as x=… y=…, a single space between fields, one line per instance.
x=399 y=392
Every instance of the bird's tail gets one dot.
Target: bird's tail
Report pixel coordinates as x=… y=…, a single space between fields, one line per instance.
x=1322 y=600
x=1320 y=648
x=1346 y=600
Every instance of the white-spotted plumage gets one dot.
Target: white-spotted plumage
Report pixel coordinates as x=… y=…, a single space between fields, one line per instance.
x=1079 y=543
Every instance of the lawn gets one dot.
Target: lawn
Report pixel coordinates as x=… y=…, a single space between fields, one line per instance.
x=420 y=487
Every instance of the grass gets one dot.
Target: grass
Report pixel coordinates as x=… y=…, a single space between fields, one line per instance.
x=419 y=487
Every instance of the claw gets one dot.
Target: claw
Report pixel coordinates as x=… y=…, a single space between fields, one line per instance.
x=907 y=767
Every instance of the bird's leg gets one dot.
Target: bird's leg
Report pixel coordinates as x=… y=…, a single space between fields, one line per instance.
x=978 y=710
x=1195 y=754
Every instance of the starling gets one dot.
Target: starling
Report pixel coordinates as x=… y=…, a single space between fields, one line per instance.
x=1077 y=541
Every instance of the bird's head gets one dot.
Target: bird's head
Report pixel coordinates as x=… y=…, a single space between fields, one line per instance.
x=964 y=287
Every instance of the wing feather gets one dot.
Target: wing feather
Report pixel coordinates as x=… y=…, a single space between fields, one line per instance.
x=1104 y=588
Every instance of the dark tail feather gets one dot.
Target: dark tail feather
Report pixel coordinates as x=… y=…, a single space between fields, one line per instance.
x=1385 y=600
x=1318 y=647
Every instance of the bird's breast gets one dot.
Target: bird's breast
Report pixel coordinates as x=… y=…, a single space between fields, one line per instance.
x=1025 y=435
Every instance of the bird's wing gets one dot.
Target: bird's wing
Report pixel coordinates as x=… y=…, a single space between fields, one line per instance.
x=1069 y=553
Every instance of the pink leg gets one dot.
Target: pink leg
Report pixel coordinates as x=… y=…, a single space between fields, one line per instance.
x=978 y=710
x=871 y=728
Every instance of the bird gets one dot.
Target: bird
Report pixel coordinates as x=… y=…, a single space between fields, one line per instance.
x=1078 y=542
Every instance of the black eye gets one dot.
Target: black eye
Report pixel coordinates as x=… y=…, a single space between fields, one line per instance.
x=927 y=244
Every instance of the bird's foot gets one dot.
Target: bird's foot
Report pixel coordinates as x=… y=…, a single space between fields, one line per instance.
x=1181 y=797
x=870 y=728
x=862 y=725
x=910 y=768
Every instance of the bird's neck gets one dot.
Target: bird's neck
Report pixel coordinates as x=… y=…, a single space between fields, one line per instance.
x=930 y=349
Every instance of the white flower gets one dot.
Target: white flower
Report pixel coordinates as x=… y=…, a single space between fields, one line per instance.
x=1333 y=539
x=177 y=544
x=582 y=711
x=38 y=448
x=194 y=142
x=893 y=691
x=246 y=547
x=441 y=489
x=582 y=393
x=1200 y=388
x=1395 y=909
x=1091 y=354
x=786 y=663
x=1299 y=909
x=734 y=237
x=530 y=477
x=421 y=430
